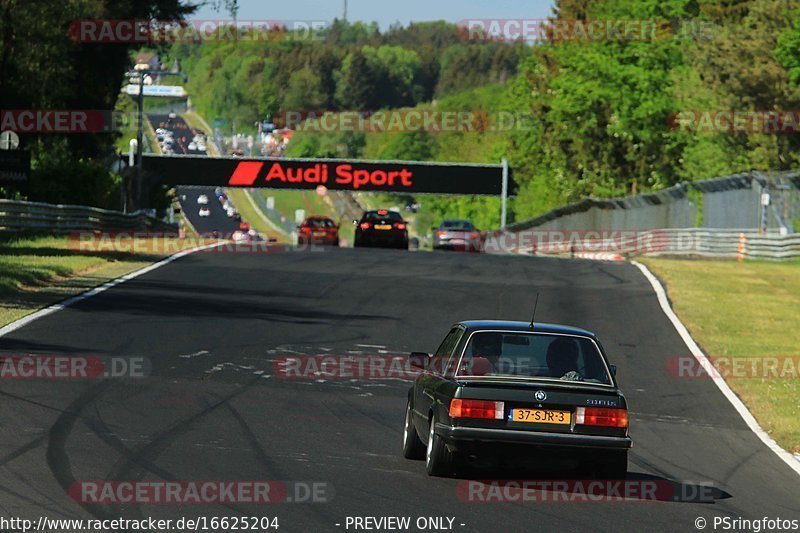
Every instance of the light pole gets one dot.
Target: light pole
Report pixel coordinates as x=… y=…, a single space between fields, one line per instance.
x=140 y=102
x=140 y=127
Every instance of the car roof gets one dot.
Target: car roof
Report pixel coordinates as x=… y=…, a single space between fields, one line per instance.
x=538 y=327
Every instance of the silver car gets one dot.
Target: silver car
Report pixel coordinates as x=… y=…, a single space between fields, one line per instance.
x=457 y=235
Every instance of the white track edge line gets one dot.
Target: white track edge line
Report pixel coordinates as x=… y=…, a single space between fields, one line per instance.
x=698 y=354
x=24 y=321
x=264 y=217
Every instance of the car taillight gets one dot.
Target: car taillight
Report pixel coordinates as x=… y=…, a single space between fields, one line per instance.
x=441 y=233
x=305 y=229
x=476 y=409
x=399 y=225
x=474 y=235
x=364 y=225
x=601 y=416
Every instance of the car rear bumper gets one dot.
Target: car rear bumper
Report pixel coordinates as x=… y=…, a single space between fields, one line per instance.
x=383 y=239
x=305 y=239
x=455 y=435
x=456 y=244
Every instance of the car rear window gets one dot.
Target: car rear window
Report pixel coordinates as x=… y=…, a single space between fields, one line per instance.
x=319 y=223
x=534 y=355
x=383 y=215
x=457 y=225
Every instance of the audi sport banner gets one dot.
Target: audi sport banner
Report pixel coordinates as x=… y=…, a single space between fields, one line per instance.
x=335 y=174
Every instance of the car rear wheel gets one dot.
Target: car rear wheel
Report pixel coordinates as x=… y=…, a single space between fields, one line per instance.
x=439 y=461
x=412 y=445
x=612 y=465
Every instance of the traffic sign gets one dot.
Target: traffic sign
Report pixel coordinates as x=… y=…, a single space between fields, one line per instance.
x=9 y=140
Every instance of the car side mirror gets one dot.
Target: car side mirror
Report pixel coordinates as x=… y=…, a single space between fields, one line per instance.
x=613 y=369
x=419 y=360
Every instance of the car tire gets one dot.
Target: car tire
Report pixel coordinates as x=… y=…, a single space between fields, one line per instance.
x=413 y=448
x=439 y=461
x=612 y=465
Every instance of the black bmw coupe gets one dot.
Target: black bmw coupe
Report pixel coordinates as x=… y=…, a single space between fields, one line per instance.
x=495 y=387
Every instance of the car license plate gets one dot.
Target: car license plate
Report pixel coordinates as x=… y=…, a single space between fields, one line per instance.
x=459 y=242
x=319 y=234
x=539 y=416
x=383 y=226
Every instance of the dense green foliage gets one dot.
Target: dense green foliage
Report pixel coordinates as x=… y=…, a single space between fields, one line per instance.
x=41 y=67
x=344 y=67
x=605 y=109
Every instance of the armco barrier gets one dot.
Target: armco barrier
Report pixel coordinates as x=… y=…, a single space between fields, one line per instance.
x=16 y=216
x=729 y=203
x=690 y=242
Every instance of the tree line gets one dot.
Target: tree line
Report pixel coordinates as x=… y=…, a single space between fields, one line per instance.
x=346 y=66
x=607 y=113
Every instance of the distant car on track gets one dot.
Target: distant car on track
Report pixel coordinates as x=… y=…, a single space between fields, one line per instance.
x=202 y=199
x=457 y=235
x=381 y=228
x=504 y=390
x=318 y=230
x=205 y=212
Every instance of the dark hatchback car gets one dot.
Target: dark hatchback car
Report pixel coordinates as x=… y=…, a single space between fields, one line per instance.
x=381 y=228
x=499 y=389
x=318 y=230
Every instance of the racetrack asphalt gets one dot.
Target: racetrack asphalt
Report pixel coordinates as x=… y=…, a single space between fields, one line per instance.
x=213 y=408
x=217 y=220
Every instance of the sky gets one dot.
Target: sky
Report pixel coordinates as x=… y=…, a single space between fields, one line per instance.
x=385 y=12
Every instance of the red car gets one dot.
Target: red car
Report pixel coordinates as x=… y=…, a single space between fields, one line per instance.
x=318 y=230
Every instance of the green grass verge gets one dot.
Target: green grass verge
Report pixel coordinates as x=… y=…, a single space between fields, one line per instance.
x=39 y=271
x=287 y=202
x=747 y=310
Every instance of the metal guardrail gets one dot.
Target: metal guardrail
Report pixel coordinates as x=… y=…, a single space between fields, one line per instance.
x=746 y=244
x=16 y=216
x=276 y=216
x=690 y=242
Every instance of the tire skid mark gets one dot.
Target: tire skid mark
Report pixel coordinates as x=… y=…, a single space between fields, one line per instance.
x=144 y=456
x=22 y=450
x=37 y=503
x=268 y=463
x=57 y=457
